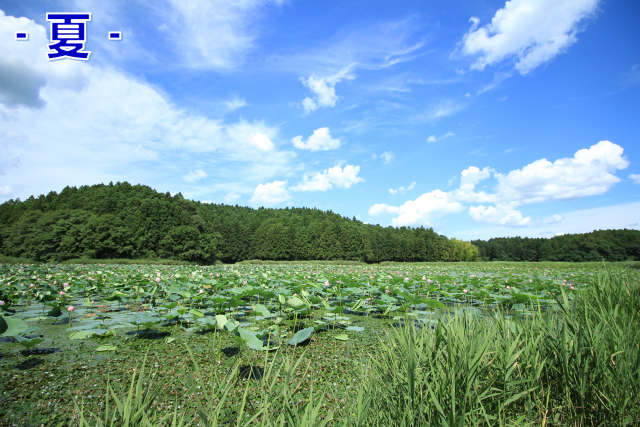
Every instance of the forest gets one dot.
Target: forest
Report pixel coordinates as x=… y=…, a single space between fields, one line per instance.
x=121 y=220
x=610 y=245
x=136 y=222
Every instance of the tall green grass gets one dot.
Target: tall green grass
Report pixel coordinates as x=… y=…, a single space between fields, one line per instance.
x=577 y=364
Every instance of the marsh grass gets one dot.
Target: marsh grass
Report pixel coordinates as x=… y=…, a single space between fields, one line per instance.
x=575 y=365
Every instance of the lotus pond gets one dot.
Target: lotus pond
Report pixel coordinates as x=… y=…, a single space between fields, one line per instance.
x=68 y=330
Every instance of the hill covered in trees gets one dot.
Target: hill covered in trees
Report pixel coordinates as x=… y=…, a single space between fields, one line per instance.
x=134 y=221
x=610 y=245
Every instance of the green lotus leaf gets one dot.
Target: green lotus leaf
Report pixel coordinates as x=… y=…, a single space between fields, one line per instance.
x=301 y=336
x=12 y=326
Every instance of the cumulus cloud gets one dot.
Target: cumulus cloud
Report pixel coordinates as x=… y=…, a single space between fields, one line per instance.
x=260 y=141
x=635 y=178
x=420 y=211
x=89 y=124
x=532 y=31
x=403 y=190
x=589 y=172
x=324 y=89
x=506 y=215
x=433 y=138
x=270 y=193
x=387 y=157
x=323 y=181
x=195 y=175
x=320 y=141
x=229 y=198
x=25 y=69
x=5 y=191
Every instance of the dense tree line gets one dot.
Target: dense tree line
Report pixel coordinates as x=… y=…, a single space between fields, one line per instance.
x=134 y=221
x=610 y=245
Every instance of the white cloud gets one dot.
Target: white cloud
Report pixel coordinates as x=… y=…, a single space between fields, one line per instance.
x=387 y=157
x=260 y=141
x=270 y=193
x=25 y=69
x=403 y=190
x=194 y=175
x=471 y=176
x=589 y=172
x=85 y=124
x=420 y=211
x=433 y=138
x=320 y=141
x=323 y=181
x=231 y=197
x=635 y=177
x=211 y=34
x=502 y=214
x=324 y=89
x=533 y=31
x=5 y=191
x=235 y=103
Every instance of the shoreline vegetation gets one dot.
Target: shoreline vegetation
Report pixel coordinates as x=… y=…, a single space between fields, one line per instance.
x=540 y=264
x=318 y=344
x=575 y=366
x=134 y=222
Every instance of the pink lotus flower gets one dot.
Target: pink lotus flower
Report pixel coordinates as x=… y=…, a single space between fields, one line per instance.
x=327 y=283
x=217 y=274
x=70 y=309
x=1 y=302
x=508 y=287
x=295 y=295
x=200 y=291
x=55 y=282
x=388 y=291
x=430 y=282
x=424 y=277
x=572 y=288
x=158 y=279
x=465 y=291
x=32 y=285
x=61 y=293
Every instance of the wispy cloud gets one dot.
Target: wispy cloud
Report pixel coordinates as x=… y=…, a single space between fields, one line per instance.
x=433 y=138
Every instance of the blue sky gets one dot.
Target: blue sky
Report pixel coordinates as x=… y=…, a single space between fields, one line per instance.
x=477 y=118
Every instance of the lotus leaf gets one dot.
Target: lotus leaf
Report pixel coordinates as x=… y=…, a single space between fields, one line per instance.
x=12 y=326
x=301 y=336
x=106 y=348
